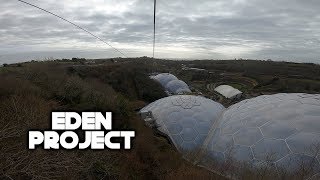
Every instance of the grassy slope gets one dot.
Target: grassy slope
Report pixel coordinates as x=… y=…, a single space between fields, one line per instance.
x=29 y=93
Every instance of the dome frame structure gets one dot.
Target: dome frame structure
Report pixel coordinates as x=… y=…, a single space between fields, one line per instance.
x=185 y=119
x=280 y=131
x=177 y=87
x=164 y=78
x=171 y=83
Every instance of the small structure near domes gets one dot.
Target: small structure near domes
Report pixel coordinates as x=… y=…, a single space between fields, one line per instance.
x=228 y=92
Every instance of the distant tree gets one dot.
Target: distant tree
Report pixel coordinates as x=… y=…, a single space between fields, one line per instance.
x=5 y=65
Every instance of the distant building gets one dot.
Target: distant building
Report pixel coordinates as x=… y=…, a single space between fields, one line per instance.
x=228 y=92
x=197 y=69
x=185 y=68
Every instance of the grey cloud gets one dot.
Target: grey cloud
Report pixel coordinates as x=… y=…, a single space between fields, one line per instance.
x=283 y=29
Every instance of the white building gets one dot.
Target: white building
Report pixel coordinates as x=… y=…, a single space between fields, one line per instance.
x=228 y=92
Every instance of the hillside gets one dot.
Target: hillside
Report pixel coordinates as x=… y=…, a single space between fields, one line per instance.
x=30 y=91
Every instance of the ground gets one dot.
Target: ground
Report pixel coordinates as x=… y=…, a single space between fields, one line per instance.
x=30 y=91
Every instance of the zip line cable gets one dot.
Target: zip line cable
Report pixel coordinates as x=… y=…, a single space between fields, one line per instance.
x=154 y=25
x=79 y=27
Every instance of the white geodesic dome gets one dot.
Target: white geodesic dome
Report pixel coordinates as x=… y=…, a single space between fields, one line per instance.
x=281 y=131
x=185 y=119
x=177 y=86
x=171 y=83
x=164 y=78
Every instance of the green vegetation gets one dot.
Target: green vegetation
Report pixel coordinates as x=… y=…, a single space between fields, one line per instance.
x=30 y=91
x=253 y=78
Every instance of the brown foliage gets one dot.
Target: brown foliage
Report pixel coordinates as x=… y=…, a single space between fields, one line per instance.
x=28 y=94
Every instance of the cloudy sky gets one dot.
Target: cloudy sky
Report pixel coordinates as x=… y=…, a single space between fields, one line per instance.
x=190 y=29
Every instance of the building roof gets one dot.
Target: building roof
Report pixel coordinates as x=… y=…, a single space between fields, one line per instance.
x=227 y=91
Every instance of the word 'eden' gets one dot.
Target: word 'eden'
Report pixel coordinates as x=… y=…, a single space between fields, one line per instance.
x=63 y=133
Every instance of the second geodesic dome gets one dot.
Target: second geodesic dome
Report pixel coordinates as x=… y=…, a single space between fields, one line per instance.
x=177 y=86
x=164 y=78
x=171 y=83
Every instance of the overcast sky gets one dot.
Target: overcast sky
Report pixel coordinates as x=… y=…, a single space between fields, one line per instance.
x=191 y=29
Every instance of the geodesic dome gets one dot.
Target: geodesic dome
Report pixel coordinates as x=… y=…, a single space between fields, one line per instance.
x=177 y=86
x=281 y=131
x=171 y=83
x=164 y=78
x=185 y=119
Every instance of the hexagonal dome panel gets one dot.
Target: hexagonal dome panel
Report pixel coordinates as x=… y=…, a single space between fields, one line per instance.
x=231 y=128
x=247 y=136
x=309 y=124
x=223 y=143
x=298 y=162
x=189 y=134
x=278 y=130
x=305 y=143
x=175 y=128
x=256 y=121
x=270 y=150
x=242 y=153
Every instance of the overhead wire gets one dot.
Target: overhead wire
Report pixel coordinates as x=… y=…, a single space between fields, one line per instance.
x=154 y=26
x=79 y=27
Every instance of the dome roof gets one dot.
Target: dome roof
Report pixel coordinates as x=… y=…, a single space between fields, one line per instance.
x=171 y=83
x=281 y=130
x=227 y=91
x=185 y=119
x=164 y=78
x=177 y=86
